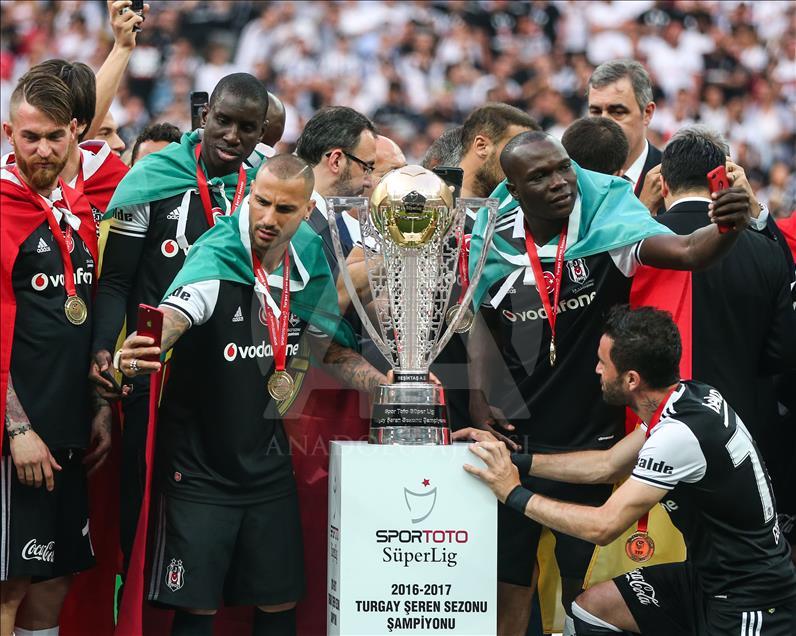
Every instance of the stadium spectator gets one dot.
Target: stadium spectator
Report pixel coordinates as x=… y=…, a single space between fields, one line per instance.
x=153 y=138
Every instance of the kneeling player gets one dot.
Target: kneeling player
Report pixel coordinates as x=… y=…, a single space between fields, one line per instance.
x=695 y=457
x=227 y=521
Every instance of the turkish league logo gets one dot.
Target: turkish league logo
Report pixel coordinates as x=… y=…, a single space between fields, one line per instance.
x=175 y=575
x=420 y=504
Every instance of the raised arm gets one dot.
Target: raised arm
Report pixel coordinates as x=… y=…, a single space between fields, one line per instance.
x=110 y=73
x=706 y=245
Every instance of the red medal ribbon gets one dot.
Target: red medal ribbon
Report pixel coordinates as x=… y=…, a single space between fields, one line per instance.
x=58 y=235
x=464 y=253
x=277 y=332
x=643 y=521
x=538 y=274
x=204 y=191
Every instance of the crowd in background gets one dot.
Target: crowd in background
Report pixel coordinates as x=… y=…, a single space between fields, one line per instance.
x=417 y=68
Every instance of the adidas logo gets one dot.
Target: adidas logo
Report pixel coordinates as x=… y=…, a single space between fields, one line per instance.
x=42 y=246
x=173 y=215
x=238 y=317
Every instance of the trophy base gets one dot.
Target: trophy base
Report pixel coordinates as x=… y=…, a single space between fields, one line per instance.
x=411 y=414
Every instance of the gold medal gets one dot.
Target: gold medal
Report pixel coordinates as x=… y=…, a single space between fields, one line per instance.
x=75 y=310
x=463 y=316
x=280 y=385
x=552 y=353
x=640 y=547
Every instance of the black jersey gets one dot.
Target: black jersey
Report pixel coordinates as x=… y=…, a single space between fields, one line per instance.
x=167 y=229
x=561 y=407
x=220 y=437
x=720 y=497
x=49 y=354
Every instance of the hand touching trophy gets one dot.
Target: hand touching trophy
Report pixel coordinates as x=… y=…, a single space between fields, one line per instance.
x=412 y=237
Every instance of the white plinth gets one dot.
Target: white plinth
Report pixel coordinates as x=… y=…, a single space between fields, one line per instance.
x=412 y=542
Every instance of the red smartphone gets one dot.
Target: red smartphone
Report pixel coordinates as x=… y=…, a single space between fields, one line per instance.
x=150 y=323
x=717 y=181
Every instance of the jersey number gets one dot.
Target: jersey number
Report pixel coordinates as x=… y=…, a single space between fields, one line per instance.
x=740 y=447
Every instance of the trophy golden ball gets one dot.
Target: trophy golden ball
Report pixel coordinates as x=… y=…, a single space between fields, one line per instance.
x=409 y=204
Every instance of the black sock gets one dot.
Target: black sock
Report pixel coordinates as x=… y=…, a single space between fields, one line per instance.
x=186 y=624
x=274 y=623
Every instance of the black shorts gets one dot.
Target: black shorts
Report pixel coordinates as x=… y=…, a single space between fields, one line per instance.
x=665 y=599
x=45 y=534
x=518 y=536
x=205 y=555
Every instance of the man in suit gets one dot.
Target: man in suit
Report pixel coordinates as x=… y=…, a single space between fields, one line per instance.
x=736 y=317
x=340 y=145
x=622 y=90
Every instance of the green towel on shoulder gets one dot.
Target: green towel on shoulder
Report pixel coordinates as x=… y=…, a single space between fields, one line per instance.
x=610 y=217
x=222 y=253
x=167 y=173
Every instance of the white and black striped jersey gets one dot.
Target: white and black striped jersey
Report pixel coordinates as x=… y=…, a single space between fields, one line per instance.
x=556 y=408
x=720 y=497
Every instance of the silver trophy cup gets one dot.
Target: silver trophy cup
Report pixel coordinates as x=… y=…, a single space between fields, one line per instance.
x=410 y=235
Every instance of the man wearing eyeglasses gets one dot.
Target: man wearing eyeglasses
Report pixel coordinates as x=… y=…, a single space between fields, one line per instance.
x=340 y=144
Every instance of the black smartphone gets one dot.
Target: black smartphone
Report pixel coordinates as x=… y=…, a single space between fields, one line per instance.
x=107 y=375
x=137 y=7
x=452 y=176
x=199 y=100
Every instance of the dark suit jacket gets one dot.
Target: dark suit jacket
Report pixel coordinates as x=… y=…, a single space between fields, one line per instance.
x=653 y=159
x=319 y=223
x=743 y=323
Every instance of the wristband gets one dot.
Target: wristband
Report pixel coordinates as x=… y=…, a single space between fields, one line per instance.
x=19 y=430
x=117 y=360
x=518 y=499
x=523 y=462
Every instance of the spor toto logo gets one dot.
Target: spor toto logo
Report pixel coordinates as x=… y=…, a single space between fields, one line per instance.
x=169 y=248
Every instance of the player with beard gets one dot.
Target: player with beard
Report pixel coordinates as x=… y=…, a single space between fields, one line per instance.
x=91 y=166
x=585 y=234
x=49 y=254
x=694 y=456
x=485 y=133
x=340 y=145
x=229 y=522
x=159 y=209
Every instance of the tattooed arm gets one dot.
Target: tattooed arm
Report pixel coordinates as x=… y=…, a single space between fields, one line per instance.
x=136 y=347
x=31 y=457
x=347 y=365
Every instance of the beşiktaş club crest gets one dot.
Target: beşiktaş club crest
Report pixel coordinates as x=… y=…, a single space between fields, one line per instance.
x=578 y=272
x=175 y=575
x=420 y=504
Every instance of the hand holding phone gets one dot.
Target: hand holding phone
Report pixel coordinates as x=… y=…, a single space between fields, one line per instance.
x=718 y=181
x=150 y=324
x=451 y=175
x=137 y=6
